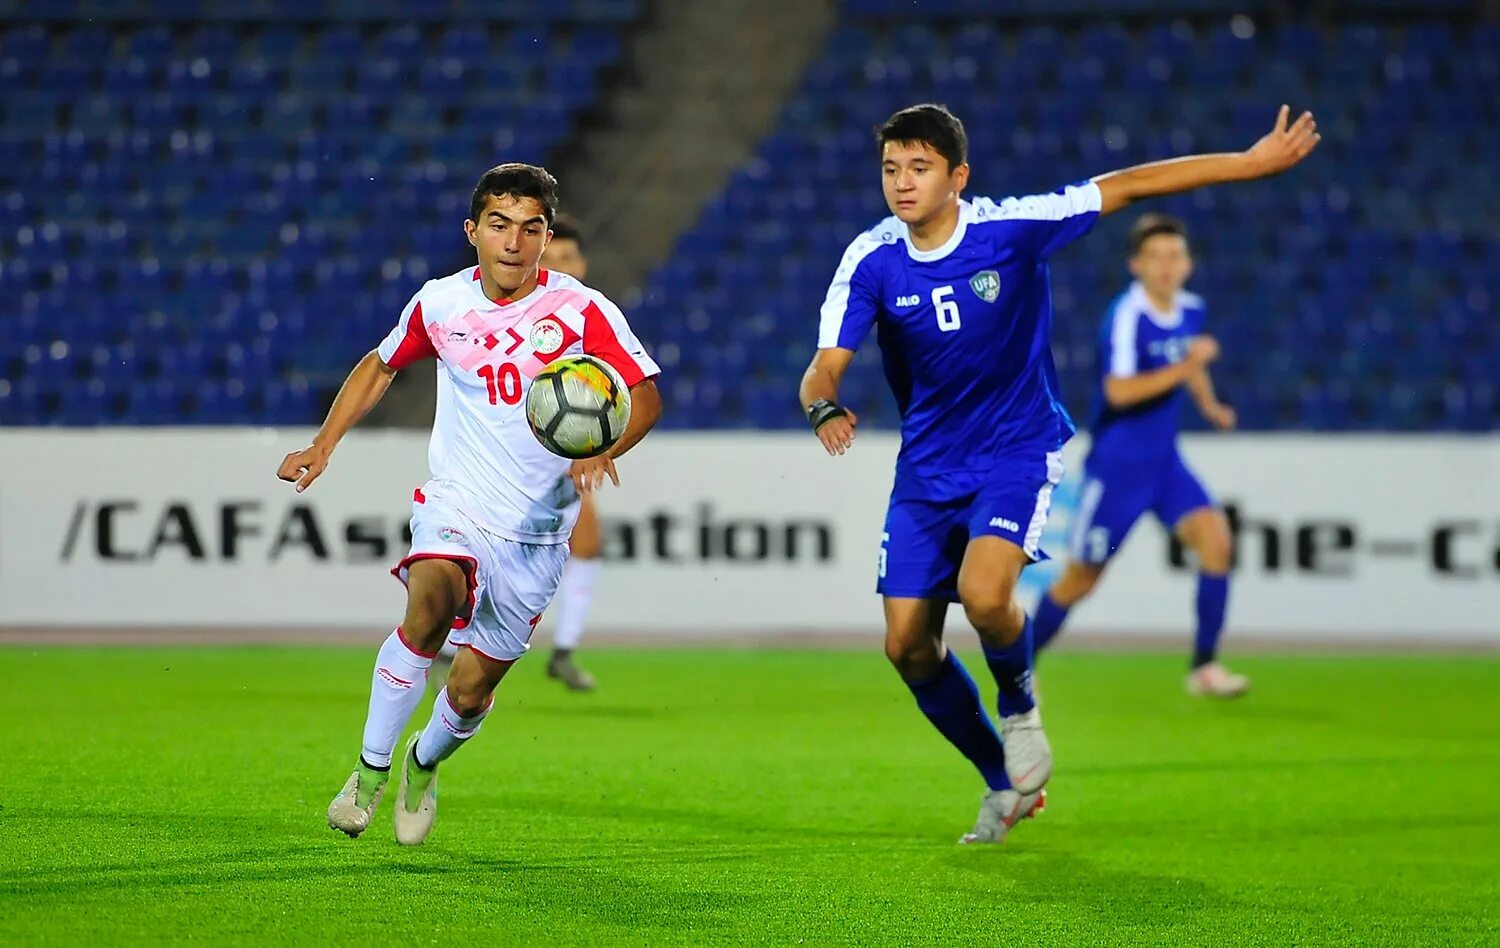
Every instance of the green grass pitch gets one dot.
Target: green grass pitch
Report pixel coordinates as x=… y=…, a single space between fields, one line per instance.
x=153 y=794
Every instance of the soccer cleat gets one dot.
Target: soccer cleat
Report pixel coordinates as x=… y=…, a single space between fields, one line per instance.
x=1001 y=810
x=1028 y=756
x=564 y=670
x=1215 y=681
x=414 y=823
x=350 y=811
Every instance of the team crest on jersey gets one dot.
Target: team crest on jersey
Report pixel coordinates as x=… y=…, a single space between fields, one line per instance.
x=547 y=336
x=450 y=535
x=986 y=285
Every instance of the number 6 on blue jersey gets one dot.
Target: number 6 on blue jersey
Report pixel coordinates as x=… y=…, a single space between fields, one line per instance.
x=947 y=309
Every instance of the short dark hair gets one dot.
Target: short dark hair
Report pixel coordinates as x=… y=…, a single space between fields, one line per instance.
x=928 y=124
x=516 y=180
x=1150 y=225
x=566 y=227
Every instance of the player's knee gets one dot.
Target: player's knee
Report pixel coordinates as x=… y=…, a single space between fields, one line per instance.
x=997 y=622
x=1076 y=583
x=467 y=697
x=991 y=609
x=915 y=658
x=1215 y=550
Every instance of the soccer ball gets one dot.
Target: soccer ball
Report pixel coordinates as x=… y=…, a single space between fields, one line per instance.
x=578 y=407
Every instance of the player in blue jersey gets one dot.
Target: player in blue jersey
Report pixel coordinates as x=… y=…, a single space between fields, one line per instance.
x=1153 y=347
x=958 y=294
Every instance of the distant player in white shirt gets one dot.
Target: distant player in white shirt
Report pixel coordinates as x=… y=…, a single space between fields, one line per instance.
x=565 y=254
x=490 y=528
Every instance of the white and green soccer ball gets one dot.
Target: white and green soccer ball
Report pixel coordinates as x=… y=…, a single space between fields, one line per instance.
x=578 y=407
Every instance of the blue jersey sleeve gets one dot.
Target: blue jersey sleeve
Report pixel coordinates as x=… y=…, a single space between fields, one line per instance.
x=853 y=300
x=1046 y=222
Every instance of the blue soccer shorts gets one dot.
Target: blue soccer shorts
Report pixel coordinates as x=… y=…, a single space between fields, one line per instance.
x=1116 y=494
x=927 y=531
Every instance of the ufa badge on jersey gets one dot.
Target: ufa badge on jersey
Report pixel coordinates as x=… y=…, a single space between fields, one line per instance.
x=986 y=285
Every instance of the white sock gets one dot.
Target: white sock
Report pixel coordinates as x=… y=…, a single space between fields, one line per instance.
x=446 y=731
x=574 y=594
x=399 y=682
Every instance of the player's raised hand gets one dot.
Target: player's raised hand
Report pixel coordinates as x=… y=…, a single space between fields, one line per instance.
x=837 y=434
x=1284 y=145
x=588 y=474
x=305 y=466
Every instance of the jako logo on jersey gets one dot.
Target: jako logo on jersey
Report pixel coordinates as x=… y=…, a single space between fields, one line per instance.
x=1004 y=524
x=547 y=336
x=986 y=285
x=912 y=300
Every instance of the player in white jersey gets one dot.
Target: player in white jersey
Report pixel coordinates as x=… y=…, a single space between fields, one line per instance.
x=564 y=254
x=490 y=528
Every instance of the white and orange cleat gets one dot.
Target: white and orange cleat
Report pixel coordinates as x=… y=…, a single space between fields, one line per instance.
x=1001 y=810
x=1028 y=755
x=1215 y=681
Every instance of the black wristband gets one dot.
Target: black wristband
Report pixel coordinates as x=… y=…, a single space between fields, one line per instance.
x=822 y=411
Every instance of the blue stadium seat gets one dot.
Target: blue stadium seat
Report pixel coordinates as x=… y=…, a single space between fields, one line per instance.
x=264 y=162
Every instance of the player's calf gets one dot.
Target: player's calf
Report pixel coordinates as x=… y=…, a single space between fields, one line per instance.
x=1007 y=636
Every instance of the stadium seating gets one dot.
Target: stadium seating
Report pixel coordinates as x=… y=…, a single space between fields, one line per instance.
x=1357 y=292
x=206 y=215
x=208 y=211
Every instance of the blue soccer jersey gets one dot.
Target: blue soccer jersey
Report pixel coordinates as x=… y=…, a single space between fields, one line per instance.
x=1135 y=339
x=1133 y=466
x=964 y=336
x=964 y=329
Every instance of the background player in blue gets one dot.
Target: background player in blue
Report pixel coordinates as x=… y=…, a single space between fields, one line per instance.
x=1152 y=346
x=958 y=293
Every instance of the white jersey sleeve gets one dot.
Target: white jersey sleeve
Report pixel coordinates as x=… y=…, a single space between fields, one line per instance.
x=1124 y=326
x=1042 y=224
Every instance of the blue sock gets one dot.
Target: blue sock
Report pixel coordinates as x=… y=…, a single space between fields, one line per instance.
x=951 y=703
x=1048 y=622
x=1213 y=598
x=1011 y=667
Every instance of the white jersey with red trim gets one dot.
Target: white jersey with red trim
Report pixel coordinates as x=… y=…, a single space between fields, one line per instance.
x=483 y=456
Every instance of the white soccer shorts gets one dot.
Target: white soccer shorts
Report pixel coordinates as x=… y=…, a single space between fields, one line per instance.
x=510 y=582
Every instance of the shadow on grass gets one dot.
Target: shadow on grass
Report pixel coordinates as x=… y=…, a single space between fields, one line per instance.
x=314 y=874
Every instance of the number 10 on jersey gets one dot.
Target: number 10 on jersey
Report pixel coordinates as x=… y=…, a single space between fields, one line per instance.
x=947 y=310
x=504 y=383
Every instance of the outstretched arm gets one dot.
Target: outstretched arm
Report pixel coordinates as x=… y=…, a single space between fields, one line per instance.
x=362 y=391
x=1280 y=149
